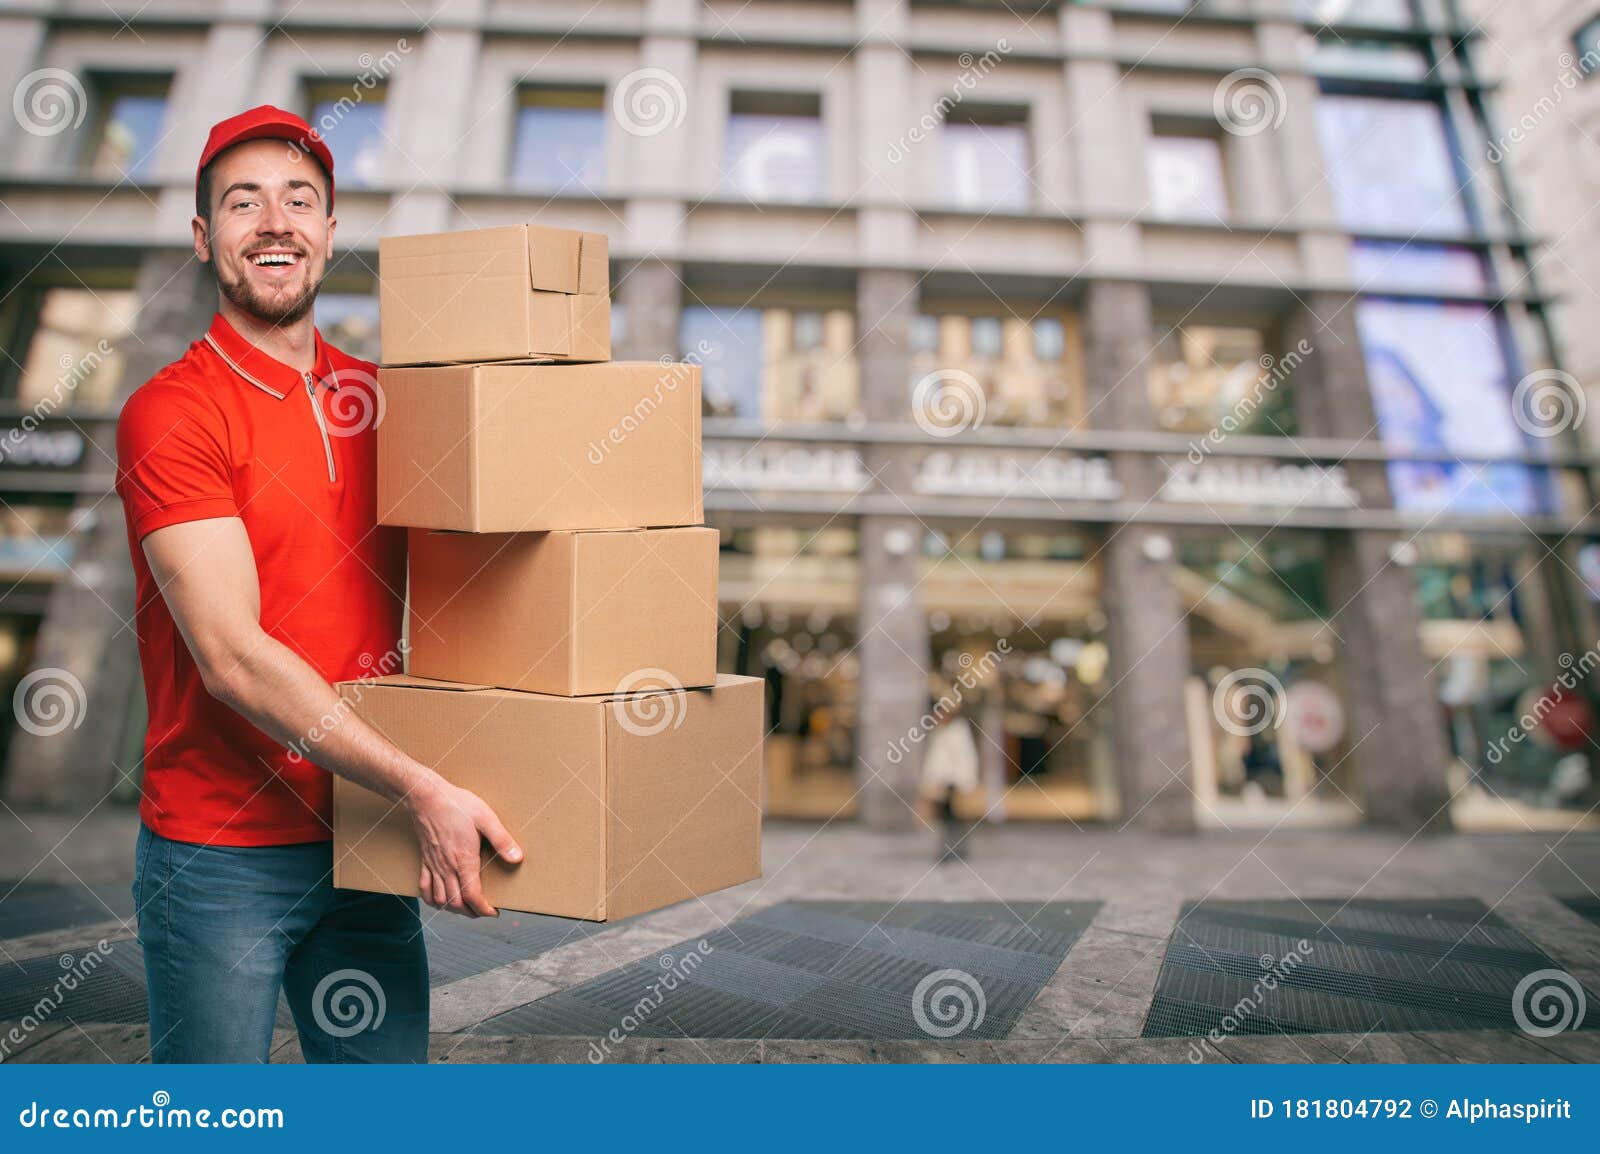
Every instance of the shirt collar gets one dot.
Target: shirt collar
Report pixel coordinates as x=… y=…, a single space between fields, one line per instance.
x=260 y=369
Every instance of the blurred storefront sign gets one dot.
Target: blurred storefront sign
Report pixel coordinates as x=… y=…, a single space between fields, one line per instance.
x=1245 y=482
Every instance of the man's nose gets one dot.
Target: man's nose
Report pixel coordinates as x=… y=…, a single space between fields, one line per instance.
x=274 y=221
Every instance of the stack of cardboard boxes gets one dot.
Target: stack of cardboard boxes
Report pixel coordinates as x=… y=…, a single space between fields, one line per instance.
x=562 y=595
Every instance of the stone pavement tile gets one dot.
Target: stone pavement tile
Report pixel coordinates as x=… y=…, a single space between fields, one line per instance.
x=10 y=1046
x=1171 y=1050
x=467 y=1049
x=692 y=1051
x=92 y=1043
x=1386 y=1048
x=1279 y=1049
x=460 y=1005
x=68 y=941
x=1150 y=918
x=1064 y=1051
x=1487 y=1046
x=793 y=1051
x=576 y=962
x=937 y=1052
x=1574 y=1045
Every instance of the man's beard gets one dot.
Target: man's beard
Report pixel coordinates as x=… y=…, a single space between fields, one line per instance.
x=275 y=310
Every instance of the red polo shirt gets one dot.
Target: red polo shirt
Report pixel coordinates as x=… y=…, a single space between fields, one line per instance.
x=227 y=431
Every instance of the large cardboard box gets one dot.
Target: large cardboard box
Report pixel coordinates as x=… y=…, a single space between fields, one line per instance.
x=621 y=804
x=565 y=612
x=524 y=292
x=523 y=448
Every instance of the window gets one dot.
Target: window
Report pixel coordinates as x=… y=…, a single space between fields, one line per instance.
x=774 y=364
x=349 y=321
x=1186 y=177
x=985 y=159
x=1436 y=268
x=1586 y=40
x=349 y=118
x=1028 y=367
x=1379 y=13
x=1390 y=164
x=773 y=148
x=561 y=139
x=1335 y=55
x=73 y=360
x=1205 y=377
x=1440 y=383
x=132 y=113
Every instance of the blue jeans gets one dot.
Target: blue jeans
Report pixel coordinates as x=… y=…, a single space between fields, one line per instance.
x=225 y=928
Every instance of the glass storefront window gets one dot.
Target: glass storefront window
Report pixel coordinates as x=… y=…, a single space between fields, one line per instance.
x=350 y=322
x=774 y=364
x=1440 y=382
x=1201 y=376
x=35 y=541
x=1438 y=268
x=134 y=112
x=1029 y=369
x=1391 y=164
x=1378 y=13
x=1521 y=737
x=1264 y=688
x=350 y=120
x=773 y=147
x=1186 y=176
x=985 y=164
x=560 y=139
x=1343 y=56
x=74 y=361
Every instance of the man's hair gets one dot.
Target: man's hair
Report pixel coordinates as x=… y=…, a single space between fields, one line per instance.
x=202 y=187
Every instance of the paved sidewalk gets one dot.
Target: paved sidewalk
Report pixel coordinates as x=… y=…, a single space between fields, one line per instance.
x=1450 y=910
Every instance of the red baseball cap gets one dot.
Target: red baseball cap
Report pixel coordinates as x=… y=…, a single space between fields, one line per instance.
x=264 y=123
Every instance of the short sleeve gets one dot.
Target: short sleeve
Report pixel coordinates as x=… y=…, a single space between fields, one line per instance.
x=172 y=459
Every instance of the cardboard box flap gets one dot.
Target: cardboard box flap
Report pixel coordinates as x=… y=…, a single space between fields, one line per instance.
x=594 y=264
x=645 y=687
x=553 y=257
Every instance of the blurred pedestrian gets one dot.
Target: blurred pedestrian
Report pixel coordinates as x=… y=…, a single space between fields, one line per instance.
x=949 y=767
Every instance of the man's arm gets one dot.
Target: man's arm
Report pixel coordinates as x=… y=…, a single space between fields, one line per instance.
x=207 y=574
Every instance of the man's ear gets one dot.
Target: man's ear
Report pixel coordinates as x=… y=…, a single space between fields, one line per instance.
x=333 y=223
x=202 y=238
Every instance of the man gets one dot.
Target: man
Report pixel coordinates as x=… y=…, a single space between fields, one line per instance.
x=247 y=472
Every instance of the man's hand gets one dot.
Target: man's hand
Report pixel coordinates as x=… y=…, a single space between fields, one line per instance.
x=450 y=822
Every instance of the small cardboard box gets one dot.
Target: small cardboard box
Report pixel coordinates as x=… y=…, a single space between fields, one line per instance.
x=566 y=612
x=524 y=292
x=524 y=448
x=621 y=804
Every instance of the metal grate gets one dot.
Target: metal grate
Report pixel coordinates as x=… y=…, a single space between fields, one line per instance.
x=42 y=907
x=827 y=970
x=1373 y=965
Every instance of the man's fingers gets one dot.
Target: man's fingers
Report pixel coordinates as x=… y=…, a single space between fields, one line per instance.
x=472 y=894
x=498 y=837
x=425 y=886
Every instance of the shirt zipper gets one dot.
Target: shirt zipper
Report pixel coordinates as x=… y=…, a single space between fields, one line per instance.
x=322 y=424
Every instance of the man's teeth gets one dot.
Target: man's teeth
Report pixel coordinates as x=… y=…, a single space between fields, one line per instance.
x=272 y=258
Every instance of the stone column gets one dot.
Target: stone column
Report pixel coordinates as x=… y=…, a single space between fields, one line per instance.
x=87 y=637
x=892 y=632
x=1147 y=631
x=1400 y=752
x=651 y=292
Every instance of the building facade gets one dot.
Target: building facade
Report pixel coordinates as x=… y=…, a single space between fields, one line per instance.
x=1169 y=387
